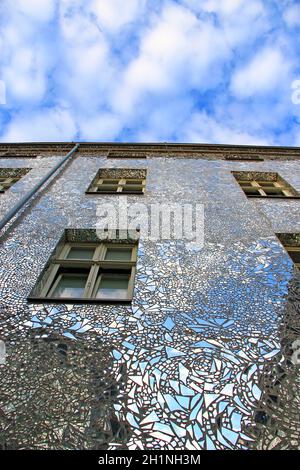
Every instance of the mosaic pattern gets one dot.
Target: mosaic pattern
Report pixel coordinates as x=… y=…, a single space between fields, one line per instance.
x=267 y=176
x=118 y=173
x=13 y=172
x=278 y=415
x=60 y=394
x=255 y=175
x=202 y=359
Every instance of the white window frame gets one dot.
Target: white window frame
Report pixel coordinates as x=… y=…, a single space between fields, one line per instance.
x=256 y=184
x=103 y=186
x=94 y=266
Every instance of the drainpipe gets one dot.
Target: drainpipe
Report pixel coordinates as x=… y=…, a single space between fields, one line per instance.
x=27 y=196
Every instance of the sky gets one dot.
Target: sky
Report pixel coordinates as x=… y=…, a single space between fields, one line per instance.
x=207 y=71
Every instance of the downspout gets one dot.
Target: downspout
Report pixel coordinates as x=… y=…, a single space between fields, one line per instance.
x=12 y=212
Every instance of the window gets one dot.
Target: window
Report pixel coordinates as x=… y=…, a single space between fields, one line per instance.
x=125 y=154
x=294 y=252
x=113 y=185
x=6 y=183
x=241 y=157
x=291 y=242
x=119 y=181
x=10 y=154
x=264 y=184
x=99 y=272
x=10 y=176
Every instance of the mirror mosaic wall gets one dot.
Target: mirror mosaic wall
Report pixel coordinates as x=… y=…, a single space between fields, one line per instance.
x=205 y=357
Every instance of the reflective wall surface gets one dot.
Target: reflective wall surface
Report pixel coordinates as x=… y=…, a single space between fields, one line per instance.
x=203 y=358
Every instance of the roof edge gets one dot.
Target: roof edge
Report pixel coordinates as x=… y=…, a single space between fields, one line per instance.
x=152 y=144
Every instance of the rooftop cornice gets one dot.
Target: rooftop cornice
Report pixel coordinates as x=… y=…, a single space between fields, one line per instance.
x=197 y=150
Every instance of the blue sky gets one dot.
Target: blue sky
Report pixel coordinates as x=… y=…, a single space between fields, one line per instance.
x=215 y=71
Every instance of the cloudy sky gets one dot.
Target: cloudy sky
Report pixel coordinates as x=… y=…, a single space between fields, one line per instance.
x=216 y=71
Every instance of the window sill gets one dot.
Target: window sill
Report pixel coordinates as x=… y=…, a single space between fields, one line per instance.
x=272 y=197
x=241 y=159
x=61 y=300
x=114 y=193
x=10 y=156
x=126 y=157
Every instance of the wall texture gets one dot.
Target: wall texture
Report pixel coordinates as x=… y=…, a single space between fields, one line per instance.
x=201 y=359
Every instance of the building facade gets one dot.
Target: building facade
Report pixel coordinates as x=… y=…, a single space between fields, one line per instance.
x=118 y=340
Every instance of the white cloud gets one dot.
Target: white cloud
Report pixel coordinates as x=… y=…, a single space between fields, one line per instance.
x=45 y=125
x=179 y=52
x=242 y=21
x=171 y=70
x=264 y=73
x=2 y=92
x=114 y=14
x=105 y=127
x=37 y=10
x=76 y=24
x=223 y=6
x=297 y=140
x=204 y=128
x=25 y=77
x=291 y=15
x=88 y=72
x=26 y=57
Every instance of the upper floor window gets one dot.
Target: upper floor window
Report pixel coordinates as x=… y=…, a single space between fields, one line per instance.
x=84 y=271
x=126 y=154
x=13 y=154
x=264 y=184
x=118 y=181
x=291 y=242
x=243 y=157
x=10 y=176
x=294 y=252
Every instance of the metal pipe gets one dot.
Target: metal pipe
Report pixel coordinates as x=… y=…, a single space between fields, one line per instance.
x=27 y=196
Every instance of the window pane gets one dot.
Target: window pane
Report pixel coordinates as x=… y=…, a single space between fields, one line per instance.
x=132 y=188
x=133 y=181
x=81 y=253
x=273 y=191
x=118 y=254
x=70 y=286
x=264 y=184
x=107 y=188
x=113 y=286
x=295 y=255
x=109 y=181
x=252 y=192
